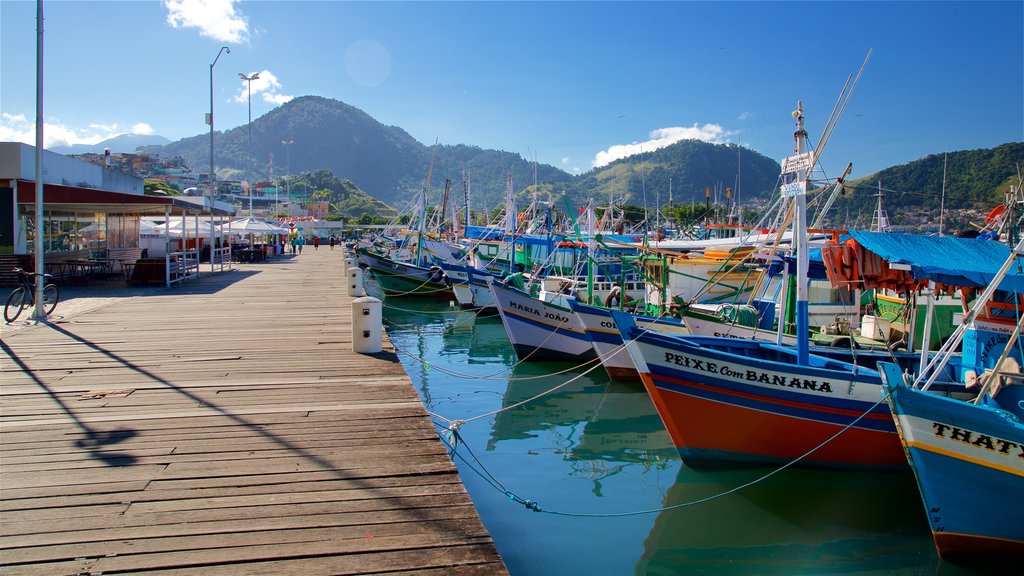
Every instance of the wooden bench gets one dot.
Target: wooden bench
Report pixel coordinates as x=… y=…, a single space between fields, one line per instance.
x=122 y=256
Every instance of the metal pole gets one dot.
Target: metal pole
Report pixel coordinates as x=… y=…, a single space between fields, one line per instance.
x=213 y=177
x=40 y=311
x=288 y=170
x=249 y=80
x=251 y=190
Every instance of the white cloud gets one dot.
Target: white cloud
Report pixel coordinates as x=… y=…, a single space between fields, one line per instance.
x=142 y=129
x=745 y=115
x=17 y=128
x=216 y=19
x=661 y=138
x=266 y=87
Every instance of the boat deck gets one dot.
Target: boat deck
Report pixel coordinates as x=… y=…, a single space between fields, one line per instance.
x=224 y=426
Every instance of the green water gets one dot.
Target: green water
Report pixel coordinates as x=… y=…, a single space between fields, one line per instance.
x=597 y=447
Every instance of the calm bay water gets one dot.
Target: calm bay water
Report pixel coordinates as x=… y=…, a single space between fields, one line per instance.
x=595 y=446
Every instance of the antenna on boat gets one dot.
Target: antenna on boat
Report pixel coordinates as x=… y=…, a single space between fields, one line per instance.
x=942 y=204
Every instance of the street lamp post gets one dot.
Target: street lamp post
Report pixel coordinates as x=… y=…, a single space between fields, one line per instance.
x=287 y=169
x=249 y=79
x=213 y=178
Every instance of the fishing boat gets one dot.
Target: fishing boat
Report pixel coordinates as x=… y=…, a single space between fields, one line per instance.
x=469 y=285
x=405 y=278
x=750 y=401
x=536 y=309
x=607 y=340
x=411 y=268
x=542 y=328
x=753 y=402
x=968 y=456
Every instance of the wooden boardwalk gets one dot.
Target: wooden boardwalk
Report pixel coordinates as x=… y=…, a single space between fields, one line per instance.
x=224 y=426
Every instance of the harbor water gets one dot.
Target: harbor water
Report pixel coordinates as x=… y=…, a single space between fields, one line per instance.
x=573 y=473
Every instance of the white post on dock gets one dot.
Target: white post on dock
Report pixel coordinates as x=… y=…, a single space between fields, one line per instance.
x=355 y=282
x=367 y=330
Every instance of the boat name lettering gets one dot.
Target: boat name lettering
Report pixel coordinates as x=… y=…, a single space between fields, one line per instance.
x=749 y=375
x=556 y=316
x=606 y=324
x=524 y=308
x=985 y=441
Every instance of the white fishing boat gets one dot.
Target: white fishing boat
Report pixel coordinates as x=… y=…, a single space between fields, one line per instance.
x=541 y=329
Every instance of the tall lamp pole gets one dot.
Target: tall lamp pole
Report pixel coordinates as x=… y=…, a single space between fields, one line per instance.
x=37 y=244
x=213 y=178
x=249 y=79
x=287 y=169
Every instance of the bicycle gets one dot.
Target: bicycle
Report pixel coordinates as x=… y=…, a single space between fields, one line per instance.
x=24 y=296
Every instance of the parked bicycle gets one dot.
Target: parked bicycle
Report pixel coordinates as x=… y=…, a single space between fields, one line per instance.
x=24 y=296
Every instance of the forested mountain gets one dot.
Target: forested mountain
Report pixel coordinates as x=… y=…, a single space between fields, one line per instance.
x=390 y=165
x=691 y=165
x=345 y=198
x=975 y=180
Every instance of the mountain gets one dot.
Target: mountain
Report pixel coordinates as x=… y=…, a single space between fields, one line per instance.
x=389 y=164
x=125 y=143
x=975 y=181
x=689 y=167
x=384 y=161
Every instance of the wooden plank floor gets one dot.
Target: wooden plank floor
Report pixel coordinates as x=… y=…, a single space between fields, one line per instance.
x=224 y=426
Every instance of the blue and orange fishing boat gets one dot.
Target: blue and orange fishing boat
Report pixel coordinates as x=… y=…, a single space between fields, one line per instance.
x=968 y=456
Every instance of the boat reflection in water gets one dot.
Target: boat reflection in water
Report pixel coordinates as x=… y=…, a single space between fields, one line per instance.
x=599 y=427
x=798 y=521
x=593 y=450
x=476 y=339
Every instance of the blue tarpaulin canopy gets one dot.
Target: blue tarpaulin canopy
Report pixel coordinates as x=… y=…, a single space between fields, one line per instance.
x=815 y=265
x=483 y=233
x=946 y=259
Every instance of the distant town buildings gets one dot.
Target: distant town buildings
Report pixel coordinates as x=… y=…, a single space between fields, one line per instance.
x=175 y=173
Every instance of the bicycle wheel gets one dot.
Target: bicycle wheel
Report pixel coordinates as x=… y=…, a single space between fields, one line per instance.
x=50 y=297
x=15 y=303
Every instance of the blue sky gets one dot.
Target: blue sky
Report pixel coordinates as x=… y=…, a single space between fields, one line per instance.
x=571 y=84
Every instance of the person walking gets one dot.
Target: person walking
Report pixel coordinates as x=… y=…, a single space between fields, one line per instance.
x=302 y=242
x=333 y=241
x=295 y=243
x=316 y=243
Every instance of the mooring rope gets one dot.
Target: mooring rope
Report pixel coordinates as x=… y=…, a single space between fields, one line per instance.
x=451 y=438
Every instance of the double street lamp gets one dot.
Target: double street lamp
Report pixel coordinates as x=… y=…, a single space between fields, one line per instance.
x=249 y=80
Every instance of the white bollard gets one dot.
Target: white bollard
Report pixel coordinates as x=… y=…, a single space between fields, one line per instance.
x=355 y=282
x=367 y=328
x=350 y=262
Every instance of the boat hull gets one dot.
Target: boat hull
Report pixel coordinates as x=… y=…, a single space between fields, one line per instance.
x=539 y=330
x=469 y=285
x=969 y=465
x=739 y=401
x=401 y=279
x=607 y=341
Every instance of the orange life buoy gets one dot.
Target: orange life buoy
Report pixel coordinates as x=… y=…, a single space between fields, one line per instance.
x=849 y=269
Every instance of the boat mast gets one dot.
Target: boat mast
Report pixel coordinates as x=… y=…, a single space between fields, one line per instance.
x=800 y=164
x=510 y=223
x=465 y=194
